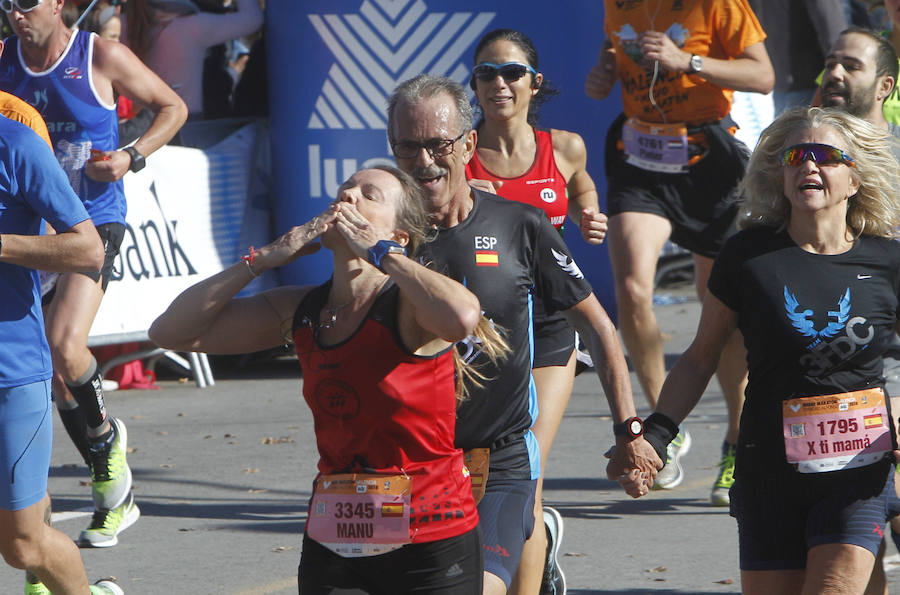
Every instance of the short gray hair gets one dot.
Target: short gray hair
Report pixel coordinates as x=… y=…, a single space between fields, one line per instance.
x=428 y=86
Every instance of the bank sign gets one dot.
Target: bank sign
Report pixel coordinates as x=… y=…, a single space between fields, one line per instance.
x=334 y=63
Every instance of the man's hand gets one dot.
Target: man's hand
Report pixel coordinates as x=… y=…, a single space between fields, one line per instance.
x=108 y=166
x=602 y=77
x=634 y=464
x=656 y=45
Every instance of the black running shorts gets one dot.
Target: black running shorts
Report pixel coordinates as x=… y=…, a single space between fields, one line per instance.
x=446 y=567
x=701 y=204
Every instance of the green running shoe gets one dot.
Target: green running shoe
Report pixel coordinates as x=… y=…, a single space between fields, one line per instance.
x=107 y=524
x=673 y=474
x=37 y=588
x=110 y=474
x=107 y=586
x=725 y=479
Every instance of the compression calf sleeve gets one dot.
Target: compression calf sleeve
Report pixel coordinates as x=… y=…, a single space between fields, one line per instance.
x=76 y=427
x=88 y=392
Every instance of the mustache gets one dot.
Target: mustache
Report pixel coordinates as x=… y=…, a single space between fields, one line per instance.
x=427 y=173
x=835 y=87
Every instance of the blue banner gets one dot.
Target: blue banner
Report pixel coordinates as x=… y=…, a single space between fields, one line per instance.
x=333 y=64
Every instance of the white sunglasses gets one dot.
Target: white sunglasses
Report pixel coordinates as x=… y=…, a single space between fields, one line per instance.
x=23 y=5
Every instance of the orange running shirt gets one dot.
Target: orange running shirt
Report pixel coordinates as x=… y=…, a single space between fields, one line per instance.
x=20 y=111
x=715 y=28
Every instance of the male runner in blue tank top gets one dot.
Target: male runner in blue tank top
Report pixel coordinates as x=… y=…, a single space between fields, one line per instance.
x=72 y=78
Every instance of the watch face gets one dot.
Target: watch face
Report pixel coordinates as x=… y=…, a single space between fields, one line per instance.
x=635 y=427
x=696 y=63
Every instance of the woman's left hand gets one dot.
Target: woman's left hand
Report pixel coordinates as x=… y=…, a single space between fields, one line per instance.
x=593 y=226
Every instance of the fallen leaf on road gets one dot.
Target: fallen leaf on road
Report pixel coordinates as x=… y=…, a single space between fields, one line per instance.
x=282 y=548
x=251 y=470
x=261 y=491
x=725 y=581
x=273 y=440
x=658 y=569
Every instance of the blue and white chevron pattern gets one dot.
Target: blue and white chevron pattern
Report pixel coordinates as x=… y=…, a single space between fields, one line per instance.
x=388 y=42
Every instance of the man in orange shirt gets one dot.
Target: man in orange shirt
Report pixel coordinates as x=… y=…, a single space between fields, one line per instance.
x=673 y=166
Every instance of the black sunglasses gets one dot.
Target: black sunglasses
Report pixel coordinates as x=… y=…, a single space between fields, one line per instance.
x=510 y=71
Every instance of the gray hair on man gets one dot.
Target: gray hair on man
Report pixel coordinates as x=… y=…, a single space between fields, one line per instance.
x=428 y=86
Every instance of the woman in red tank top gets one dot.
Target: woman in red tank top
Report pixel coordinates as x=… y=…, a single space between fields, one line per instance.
x=376 y=347
x=546 y=169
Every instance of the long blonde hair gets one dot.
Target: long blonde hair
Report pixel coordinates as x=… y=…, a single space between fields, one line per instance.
x=873 y=210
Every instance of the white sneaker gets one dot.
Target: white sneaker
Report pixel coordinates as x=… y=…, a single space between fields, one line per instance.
x=554 y=581
x=107 y=586
x=673 y=474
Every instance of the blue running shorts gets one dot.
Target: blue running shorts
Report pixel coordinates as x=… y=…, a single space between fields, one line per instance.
x=26 y=436
x=782 y=516
x=506 y=516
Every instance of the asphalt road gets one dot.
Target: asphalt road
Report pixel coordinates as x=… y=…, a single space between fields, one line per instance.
x=222 y=476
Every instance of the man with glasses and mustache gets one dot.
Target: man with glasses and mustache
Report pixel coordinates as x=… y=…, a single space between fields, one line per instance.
x=503 y=251
x=673 y=166
x=72 y=78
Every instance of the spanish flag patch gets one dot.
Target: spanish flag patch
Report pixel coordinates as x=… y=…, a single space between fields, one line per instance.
x=873 y=421
x=391 y=510
x=487 y=258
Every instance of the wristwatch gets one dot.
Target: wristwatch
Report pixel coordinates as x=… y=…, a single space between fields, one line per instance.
x=695 y=65
x=137 y=160
x=632 y=427
x=381 y=249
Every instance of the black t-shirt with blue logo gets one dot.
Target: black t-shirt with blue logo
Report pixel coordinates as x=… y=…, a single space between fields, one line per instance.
x=502 y=251
x=813 y=324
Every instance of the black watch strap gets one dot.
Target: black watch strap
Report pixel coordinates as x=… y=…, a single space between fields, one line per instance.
x=632 y=427
x=137 y=160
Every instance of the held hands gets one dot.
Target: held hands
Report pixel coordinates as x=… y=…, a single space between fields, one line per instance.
x=656 y=45
x=634 y=464
x=602 y=77
x=108 y=166
x=593 y=226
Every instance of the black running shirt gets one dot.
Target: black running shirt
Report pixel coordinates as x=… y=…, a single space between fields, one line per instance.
x=502 y=251
x=813 y=324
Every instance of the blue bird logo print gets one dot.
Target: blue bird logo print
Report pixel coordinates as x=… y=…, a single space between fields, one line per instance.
x=802 y=321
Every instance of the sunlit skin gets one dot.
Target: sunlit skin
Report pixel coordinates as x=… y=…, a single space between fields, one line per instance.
x=444 y=177
x=498 y=98
x=112 y=29
x=375 y=195
x=850 y=81
x=818 y=192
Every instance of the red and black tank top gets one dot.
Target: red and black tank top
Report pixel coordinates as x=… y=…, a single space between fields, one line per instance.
x=378 y=408
x=542 y=186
